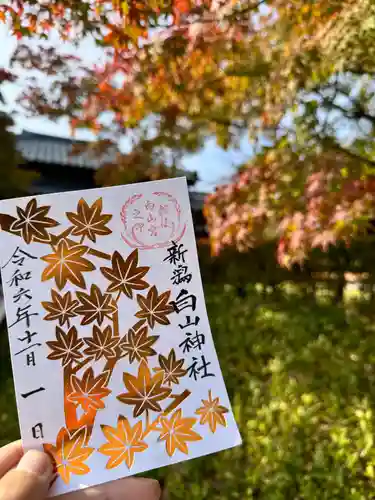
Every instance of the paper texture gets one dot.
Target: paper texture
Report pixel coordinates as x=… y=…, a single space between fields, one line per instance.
x=114 y=363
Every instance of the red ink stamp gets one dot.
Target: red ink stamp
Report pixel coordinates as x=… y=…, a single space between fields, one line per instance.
x=152 y=221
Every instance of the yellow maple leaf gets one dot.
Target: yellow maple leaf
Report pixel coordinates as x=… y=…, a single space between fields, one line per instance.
x=177 y=431
x=123 y=442
x=70 y=453
x=212 y=413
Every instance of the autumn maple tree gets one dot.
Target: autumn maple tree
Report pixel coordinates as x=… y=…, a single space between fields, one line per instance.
x=289 y=76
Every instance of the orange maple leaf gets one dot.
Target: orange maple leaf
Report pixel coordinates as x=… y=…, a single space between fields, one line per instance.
x=137 y=344
x=61 y=307
x=177 y=431
x=89 y=221
x=33 y=222
x=144 y=391
x=125 y=275
x=155 y=308
x=95 y=306
x=90 y=390
x=67 y=346
x=102 y=343
x=172 y=368
x=67 y=264
x=123 y=442
x=212 y=413
x=182 y=6
x=70 y=453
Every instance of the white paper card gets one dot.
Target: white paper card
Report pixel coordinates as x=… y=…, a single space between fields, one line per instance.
x=114 y=363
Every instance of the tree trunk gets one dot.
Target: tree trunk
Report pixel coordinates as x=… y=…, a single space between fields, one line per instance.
x=340 y=288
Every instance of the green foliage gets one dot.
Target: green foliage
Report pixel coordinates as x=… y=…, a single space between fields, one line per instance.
x=9 y=430
x=301 y=379
x=300 y=376
x=259 y=266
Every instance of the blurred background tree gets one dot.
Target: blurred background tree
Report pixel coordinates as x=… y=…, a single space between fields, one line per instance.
x=13 y=181
x=296 y=80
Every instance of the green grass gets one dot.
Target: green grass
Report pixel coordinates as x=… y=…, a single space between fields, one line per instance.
x=301 y=378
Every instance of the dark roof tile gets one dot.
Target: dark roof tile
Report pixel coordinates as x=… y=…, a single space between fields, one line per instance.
x=57 y=151
x=47 y=149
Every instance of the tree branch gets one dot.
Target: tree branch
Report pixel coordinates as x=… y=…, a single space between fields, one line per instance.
x=352 y=154
x=351 y=115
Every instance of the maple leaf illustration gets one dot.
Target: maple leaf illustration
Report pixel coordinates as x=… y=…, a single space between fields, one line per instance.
x=177 y=431
x=144 y=391
x=212 y=413
x=89 y=390
x=171 y=367
x=32 y=222
x=61 y=308
x=101 y=343
x=95 y=306
x=123 y=442
x=155 y=308
x=67 y=346
x=70 y=453
x=89 y=221
x=125 y=275
x=137 y=345
x=67 y=264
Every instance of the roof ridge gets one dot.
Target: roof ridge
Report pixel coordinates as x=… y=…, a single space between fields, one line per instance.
x=28 y=135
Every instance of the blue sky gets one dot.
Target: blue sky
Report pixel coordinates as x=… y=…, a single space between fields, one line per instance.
x=213 y=165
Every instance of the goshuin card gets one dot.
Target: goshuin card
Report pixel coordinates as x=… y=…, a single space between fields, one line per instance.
x=114 y=363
